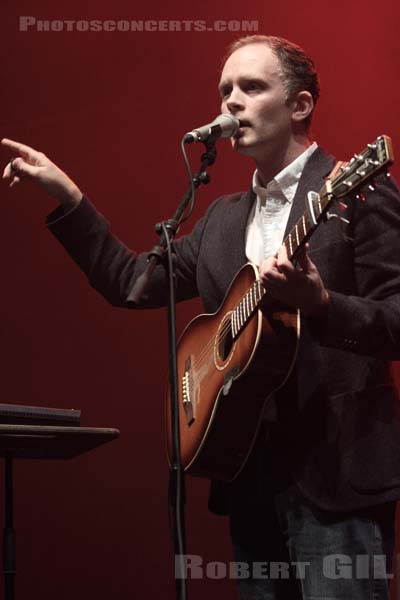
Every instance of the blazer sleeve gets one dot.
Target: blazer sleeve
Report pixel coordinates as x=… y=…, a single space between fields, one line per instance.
x=112 y=268
x=368 y=323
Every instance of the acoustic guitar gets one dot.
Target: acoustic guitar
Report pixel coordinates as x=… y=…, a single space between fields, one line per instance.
x=232 y=361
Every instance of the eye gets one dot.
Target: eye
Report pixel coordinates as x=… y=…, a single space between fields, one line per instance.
x=254 y=86
x=225 y=91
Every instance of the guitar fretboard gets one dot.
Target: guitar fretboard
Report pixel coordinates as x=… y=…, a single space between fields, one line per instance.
x=246 y=307
x=304 y=227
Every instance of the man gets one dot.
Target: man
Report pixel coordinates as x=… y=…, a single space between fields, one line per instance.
x=312 y=513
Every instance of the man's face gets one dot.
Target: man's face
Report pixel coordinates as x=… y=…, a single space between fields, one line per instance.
x=252 y=89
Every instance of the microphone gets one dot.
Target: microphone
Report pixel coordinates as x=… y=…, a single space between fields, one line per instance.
x=223 y=126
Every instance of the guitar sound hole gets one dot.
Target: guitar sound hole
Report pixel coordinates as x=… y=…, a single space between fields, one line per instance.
x=225 y=341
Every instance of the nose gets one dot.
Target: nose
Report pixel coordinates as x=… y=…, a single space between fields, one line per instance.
x=234 y=102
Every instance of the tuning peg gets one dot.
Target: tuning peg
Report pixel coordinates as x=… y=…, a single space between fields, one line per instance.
x=387 y=174
x=342 y=206
x=371 y=187
x=361 y=197
x=329 y=216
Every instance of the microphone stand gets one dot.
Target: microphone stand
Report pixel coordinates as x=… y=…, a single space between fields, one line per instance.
x=162 y=254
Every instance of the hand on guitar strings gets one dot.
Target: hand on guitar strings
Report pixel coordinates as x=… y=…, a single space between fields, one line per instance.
x=299 y=286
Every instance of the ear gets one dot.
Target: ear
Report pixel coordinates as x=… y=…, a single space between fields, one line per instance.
x=302 y=105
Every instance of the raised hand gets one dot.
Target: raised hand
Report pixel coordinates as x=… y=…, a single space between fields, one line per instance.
x=35 y=166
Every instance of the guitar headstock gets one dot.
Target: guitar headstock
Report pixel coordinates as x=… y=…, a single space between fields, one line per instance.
x=375 y=158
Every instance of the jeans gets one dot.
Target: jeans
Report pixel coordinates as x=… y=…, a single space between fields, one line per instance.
x=292 y=550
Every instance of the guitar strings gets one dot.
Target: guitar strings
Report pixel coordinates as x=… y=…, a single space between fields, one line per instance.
x=206 y=355
x=226 y=327
x=210 y=344
x=223 y=332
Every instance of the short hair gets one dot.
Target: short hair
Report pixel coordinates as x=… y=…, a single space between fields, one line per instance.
x=298 y=69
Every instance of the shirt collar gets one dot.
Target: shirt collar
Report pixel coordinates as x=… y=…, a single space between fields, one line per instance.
x=285 y=181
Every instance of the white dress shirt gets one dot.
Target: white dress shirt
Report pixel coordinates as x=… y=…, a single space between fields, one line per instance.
x=269 y=216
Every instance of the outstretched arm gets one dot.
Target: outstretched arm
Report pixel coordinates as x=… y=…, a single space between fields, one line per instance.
x=110 y=266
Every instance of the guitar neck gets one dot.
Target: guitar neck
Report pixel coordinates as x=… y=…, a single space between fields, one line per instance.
x=318 y=205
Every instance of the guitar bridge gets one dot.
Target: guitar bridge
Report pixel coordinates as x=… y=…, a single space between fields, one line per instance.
x=188 y=399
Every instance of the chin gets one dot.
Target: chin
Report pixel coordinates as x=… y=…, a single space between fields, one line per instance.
x=243 y=147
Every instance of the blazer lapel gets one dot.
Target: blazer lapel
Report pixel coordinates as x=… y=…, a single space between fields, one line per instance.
x=318 y=166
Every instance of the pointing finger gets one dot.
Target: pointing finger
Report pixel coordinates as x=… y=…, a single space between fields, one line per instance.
x=22 y=149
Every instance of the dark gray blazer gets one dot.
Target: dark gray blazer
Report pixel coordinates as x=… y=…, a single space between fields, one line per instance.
x=346 y=438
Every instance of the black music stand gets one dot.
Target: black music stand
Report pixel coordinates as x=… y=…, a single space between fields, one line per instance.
x=40 y=442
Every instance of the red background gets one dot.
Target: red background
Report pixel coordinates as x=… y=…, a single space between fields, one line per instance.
x=110 y=108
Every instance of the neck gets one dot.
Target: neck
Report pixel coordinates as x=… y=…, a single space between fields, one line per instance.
x=271 y=163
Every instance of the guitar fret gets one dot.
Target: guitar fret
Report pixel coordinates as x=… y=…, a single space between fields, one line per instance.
x=234 y=323
x=290 y=245
x=257 y=291
x=297 y=235
x=251 y=300
x=294 y=244
x=260 y=290
x=317 y=207
x=303 y=220
x=248 y=305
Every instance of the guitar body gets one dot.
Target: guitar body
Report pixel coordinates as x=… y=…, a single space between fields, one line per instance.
x=224 y=383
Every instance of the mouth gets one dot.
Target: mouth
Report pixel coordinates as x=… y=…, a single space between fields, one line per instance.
x=243 y=125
